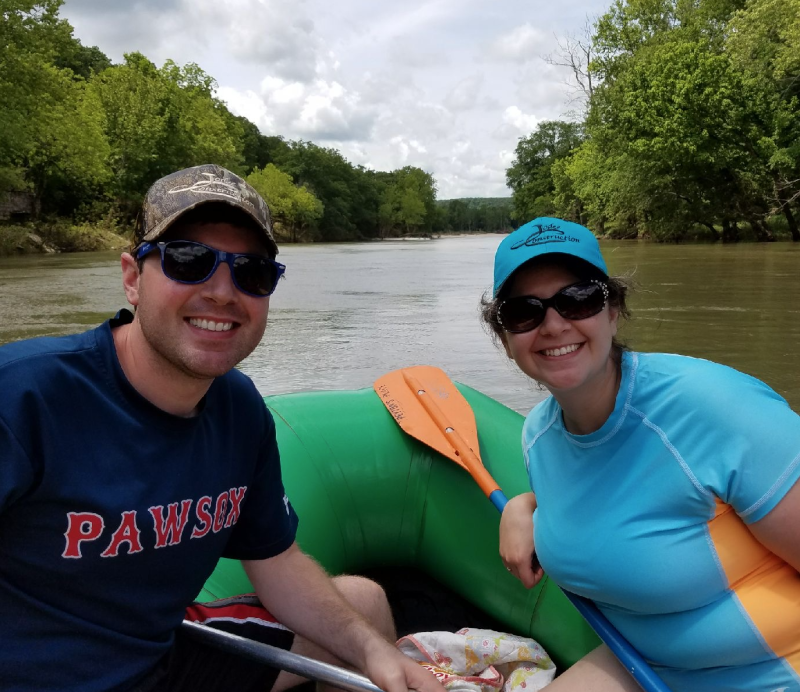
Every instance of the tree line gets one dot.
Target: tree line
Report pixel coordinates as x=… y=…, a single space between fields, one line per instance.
x=85 y=138
x=691 y=124
x=475 y=215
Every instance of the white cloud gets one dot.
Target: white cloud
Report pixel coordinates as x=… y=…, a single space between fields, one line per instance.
x=446 y=85
x=277 y=35
x=465 y=94
x=522 y=122
x=522 y=44
x=320 y=110
x=250 y=105
x=506 y=158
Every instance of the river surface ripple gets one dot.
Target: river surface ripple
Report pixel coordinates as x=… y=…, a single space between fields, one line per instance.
x=347 y=313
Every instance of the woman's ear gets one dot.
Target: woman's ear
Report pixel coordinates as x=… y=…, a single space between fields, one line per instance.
x=130 y=278
x=613 y=318
x=504 y=340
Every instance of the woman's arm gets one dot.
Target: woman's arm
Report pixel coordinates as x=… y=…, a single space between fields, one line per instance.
x=779 y=531
x=516 y=539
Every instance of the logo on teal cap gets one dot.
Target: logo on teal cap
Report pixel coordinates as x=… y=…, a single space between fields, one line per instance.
x=540 y=236
x=543 y=236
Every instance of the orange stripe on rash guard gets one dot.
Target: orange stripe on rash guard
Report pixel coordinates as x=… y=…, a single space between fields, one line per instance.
x=767 y=587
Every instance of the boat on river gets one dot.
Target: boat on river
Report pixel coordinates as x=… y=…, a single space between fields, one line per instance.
x=371 y=497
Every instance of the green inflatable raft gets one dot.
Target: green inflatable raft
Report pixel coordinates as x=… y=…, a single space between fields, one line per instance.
x=370 y=496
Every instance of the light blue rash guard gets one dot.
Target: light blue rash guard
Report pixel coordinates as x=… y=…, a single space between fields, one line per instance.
x=648 y=517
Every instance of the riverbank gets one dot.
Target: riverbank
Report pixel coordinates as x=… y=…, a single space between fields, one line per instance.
x=62 y=236
x=59 y=236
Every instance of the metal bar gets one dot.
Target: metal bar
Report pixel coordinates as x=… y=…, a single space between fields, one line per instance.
x=280 y=658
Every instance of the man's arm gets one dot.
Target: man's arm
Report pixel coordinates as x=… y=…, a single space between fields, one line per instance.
x=298 y=592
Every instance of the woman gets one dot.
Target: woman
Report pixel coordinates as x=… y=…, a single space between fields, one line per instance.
x=664 y=487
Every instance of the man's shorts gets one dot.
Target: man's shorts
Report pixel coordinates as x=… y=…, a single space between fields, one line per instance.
x=195 y=666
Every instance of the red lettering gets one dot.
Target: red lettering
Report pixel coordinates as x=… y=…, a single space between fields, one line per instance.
x=128 y=533
x=219 y=512
x=203 y=516
x=170 y=528
x=81 y=526
x=236 y=497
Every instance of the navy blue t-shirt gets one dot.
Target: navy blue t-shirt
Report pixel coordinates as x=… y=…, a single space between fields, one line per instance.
x=113 y=513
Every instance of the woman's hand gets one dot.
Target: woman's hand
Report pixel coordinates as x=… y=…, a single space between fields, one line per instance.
x=516 y=540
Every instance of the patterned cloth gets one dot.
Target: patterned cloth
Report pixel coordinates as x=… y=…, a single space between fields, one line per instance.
x=478 y=660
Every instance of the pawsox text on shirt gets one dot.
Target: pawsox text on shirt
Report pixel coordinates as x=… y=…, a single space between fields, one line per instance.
x=209 y=514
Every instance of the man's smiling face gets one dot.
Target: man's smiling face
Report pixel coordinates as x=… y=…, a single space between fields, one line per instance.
x=202 y=330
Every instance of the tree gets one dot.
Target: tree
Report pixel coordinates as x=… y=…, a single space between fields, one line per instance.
x=294 y=208
x=408 y=202
x=487 y=214
x=576 y=53
x=692 y=122
x=50 y=130
x=764 y=44
x=258 y=150
x=159 y=121
x=348 y=194
x=530 y=176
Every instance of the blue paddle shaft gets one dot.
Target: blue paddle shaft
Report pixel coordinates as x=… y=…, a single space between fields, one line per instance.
x=620 y=647
x=498 y=500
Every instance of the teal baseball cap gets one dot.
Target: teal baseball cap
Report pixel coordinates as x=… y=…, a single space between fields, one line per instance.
x=545 y=236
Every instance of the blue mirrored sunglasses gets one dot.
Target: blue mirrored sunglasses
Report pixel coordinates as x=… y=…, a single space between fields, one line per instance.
x=188 y=262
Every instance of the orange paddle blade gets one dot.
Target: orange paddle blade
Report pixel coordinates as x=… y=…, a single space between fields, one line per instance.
x=403 y=402
x=428 y=406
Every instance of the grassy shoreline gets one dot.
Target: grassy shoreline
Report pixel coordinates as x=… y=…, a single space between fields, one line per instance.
x=46 y=237
x=60 y=236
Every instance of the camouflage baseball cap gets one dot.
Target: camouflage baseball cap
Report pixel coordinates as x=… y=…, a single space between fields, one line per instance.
x=175 y=194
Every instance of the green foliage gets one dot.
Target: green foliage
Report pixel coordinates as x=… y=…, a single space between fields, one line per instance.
x=331 y=178
x=51 y=141
x=359 y=203
x=530 y=175
x=159 y=121
x=258 y=150
x=694 y=124
x=294 y=209
x=407 y=202
x=87 y=139
x=59 y=236
x=476 y=214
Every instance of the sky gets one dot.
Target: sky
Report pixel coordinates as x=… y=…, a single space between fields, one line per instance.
x=448 y=86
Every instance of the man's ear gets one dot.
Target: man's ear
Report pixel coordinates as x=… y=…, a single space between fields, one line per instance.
x=130 y=278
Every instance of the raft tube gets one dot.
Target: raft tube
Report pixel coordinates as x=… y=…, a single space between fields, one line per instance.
x=370 y=496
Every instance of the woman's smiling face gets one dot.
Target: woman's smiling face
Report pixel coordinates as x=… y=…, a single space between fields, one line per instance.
x=566 y=356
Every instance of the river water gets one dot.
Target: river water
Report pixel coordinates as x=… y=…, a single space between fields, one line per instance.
x=346 y=314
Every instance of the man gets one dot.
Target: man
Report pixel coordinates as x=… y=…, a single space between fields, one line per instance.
x=133 y=456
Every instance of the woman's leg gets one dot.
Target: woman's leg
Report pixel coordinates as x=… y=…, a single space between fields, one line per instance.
x=598 y=671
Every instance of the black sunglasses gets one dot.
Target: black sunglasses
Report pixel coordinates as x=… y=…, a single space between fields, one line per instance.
x=188 y=262
x=574 y=302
